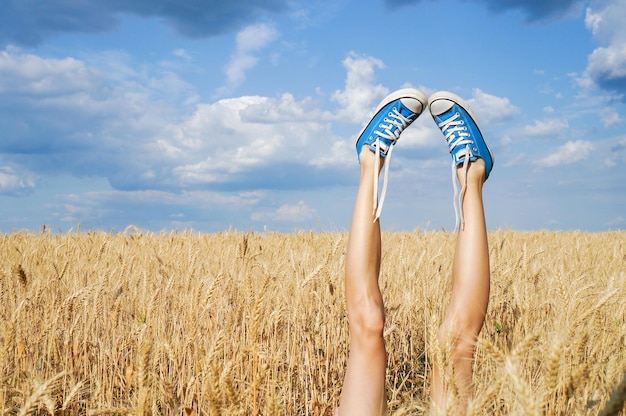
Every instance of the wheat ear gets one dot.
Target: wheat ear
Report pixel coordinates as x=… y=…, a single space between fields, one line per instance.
x=39 y=394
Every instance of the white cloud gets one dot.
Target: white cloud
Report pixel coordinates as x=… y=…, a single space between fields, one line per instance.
x=570 y=152
x=422 y=135
x=606 y=23
x=250 y=40
x=360 y=96
x=33 y=75
x=121 y=129
x=491 y=108
x=340 y=153
x=181 y=53
x=16 y=183
x=241 y=134
x=299 y=212
x=284 y=109
x=610 y=117
x=607 y=63
x=554 y=126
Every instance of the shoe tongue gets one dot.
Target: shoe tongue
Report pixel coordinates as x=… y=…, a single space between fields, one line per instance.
x=460 y=154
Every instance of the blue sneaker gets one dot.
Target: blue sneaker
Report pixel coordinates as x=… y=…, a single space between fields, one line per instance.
x=457 y=122
x=394 y=114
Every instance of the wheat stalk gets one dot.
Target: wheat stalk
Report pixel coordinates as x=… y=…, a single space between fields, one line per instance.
x=113 y=411
x=20 y=274
x=143 y=376
x=522 y=389
x=119 y=292
x=39 y=394
x=75 y=391
x=551 y=372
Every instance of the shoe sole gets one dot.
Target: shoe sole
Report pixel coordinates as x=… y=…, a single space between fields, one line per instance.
x=404 y=93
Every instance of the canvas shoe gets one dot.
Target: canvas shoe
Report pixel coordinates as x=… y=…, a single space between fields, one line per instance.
x=392 y=116
x=459 y=125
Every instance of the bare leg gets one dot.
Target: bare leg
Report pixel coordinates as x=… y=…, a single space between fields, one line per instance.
x=465 y=314
x=363 y=390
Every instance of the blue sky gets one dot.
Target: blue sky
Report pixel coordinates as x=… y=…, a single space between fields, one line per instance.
x=211 y=115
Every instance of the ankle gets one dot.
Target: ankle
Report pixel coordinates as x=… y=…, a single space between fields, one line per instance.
x=475 y=173
x=368 y=160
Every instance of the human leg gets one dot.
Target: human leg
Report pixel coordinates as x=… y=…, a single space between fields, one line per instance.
x=363 y=391
x=465 y=314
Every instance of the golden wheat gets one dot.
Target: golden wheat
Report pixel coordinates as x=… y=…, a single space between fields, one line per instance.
x=237 y=323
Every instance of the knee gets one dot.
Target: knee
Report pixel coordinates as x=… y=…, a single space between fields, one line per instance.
x=367 y=319
x=458 y=335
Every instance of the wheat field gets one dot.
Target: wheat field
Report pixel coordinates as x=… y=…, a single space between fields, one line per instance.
x=245 y=323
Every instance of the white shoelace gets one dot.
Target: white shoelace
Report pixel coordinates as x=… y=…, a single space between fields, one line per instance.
x=394 y=118
x=456 y=135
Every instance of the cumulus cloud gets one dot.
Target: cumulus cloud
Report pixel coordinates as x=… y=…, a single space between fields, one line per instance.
x=570 y=152
x=602 y=19
x=111 y=122
x=491 y=108
x=31 y=75
x=249 y=41
x=44 y=92
x=606 y=66
x=64 y=116
x=299 y=212
x=181 y=53
x=610 y=117
x=360 y=94
x=16 y=183
x=31 y=22
x=553 y=126
x=81 y=122
x=249 y=139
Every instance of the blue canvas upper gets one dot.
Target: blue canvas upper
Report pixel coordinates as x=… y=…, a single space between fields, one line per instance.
x=464 y=137
x=393 y=115
x=385 y=127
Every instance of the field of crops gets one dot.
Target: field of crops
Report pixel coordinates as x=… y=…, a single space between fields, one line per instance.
x=240 y=323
